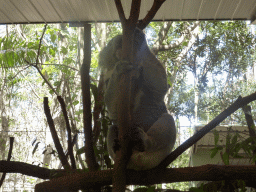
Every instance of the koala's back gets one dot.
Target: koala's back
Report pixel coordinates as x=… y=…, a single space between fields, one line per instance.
x=146 y=110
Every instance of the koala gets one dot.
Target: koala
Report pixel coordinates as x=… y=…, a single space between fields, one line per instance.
x=155 y=128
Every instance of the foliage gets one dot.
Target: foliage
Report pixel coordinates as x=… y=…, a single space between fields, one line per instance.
x=216 y=66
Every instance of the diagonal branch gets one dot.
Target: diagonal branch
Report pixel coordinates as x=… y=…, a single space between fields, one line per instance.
x=70 y=146
x=47 y=82
x=151 y=14
x=240 y=102
x=251 y=126
x=55 y=137
x=37 y=62
x=40 y=43
x=120 y=11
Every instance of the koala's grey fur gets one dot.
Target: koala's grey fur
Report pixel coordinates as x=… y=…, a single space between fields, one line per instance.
x=156 y=128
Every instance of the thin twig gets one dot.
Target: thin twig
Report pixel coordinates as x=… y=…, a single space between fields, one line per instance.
x=20 y=71
x=99 y=100
x=58 y=64
x=40 y=43
x=37 y=62
x=70 y=147
x=47 y=82
x=32 y=87
x=55 y=137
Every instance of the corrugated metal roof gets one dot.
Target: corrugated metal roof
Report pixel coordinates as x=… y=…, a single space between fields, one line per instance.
x=56 y=11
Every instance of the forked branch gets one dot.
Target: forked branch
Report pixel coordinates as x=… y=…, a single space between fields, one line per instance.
x=125 y=94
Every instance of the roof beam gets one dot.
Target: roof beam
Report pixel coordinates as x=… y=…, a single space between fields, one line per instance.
x=253 y=21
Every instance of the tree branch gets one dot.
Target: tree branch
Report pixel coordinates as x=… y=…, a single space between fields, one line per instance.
x=99 y=101
x=187 y=33
x=70 y=146
x=126 y=87
x=79 y=181
x=135 y=12
x=59 y=65
x=151 y=14
x=120 y=10
x=251 y=126
x=125 y=96
x=37 y=62
x=55 y=138
x=40 y=43
x=47 y=82
x=87 y=115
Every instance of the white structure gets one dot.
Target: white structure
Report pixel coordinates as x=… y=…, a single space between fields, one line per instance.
x=201 y=151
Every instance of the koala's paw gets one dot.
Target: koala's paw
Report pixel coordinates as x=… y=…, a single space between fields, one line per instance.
x=139 y=141
x=123 y=67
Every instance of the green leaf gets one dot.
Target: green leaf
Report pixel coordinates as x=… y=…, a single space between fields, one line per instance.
x=216 y=136
x=214 y=151
x=64 y=50
x=185 y=43
x=52 y=52
x=43 y=71
x=228 y=138
x=79 y=112
x=225 y=157
x=68 y=60
x=30 y=45
x=75 y=102
x=51 y=92
x=234 y=139
x=76 y=119
x=56 y=83
x=53 y=36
